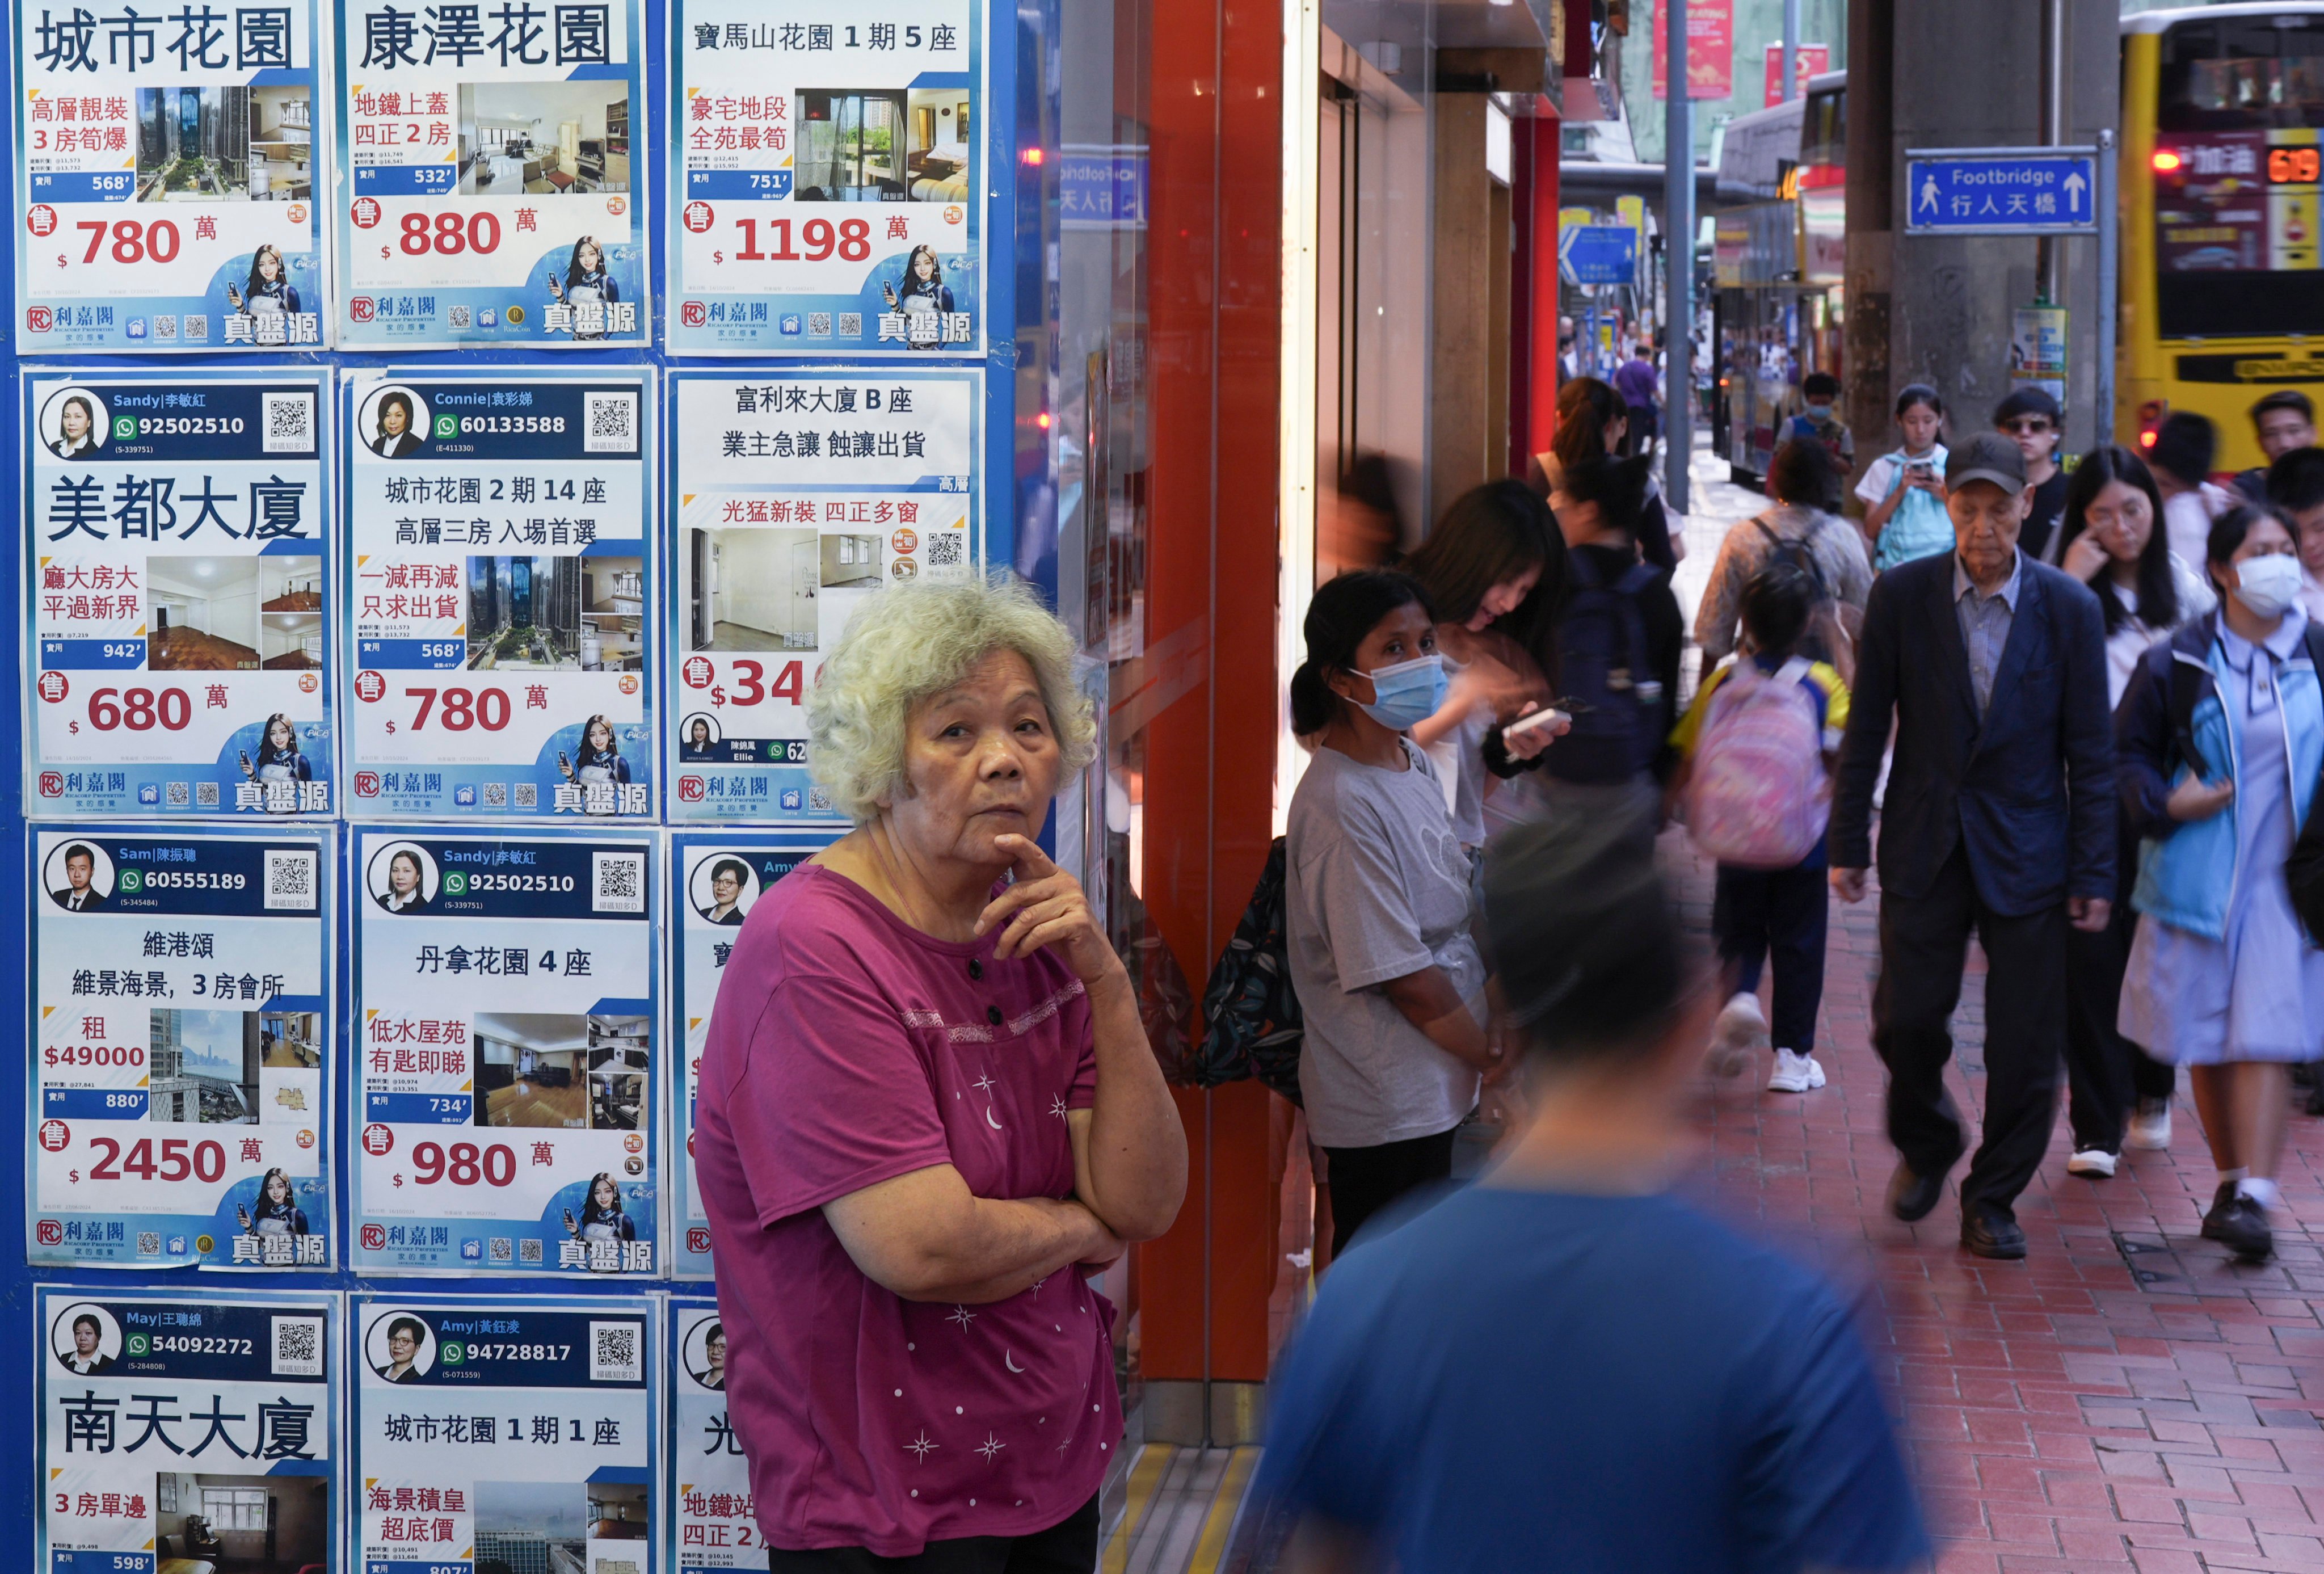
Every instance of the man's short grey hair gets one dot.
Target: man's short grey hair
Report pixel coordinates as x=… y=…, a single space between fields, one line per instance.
x=906 y=644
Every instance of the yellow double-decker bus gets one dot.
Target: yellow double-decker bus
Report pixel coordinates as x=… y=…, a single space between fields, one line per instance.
x=2222 y=295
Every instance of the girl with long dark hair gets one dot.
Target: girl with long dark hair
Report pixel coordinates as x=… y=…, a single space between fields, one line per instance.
x=1494 y=570
x=598 y=761
x=586 y=281
x=278 y=758
x=277 y=1213
x=2111 y=538
x=269 y=291
x=1376 y=904
x=1594 y=424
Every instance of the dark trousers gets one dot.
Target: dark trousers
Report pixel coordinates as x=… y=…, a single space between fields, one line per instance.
x=1069 y=1548
x=1924 y=946
x=1365 y=1180
x=2104 y=1072
x=1758 y=912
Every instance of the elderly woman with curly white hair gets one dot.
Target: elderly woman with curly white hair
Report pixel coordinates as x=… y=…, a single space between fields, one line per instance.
x=928 y=1111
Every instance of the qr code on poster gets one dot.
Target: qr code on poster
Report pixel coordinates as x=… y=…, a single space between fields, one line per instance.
x=290 y=422
x=621 y=882
x=944 y=548
x=610 y=423
x=298 y=1346
x=290 y=879
x=614 y=1353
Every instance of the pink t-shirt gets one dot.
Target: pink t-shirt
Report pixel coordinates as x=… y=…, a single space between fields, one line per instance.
x=848 y=1048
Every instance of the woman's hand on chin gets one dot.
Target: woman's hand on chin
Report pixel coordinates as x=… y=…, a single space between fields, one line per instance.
x=1047 y=907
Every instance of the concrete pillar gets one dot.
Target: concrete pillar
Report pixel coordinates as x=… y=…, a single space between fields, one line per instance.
x=1460 y=441
x=1868 y=388
x=1952 y=301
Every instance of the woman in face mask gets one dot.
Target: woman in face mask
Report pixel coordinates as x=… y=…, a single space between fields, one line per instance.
x=1376 y=904
x=2219 y=739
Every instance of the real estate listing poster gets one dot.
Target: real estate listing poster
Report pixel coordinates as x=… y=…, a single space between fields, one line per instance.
x=487 y=194
x=502 y=583
x=177 y=543
x=718 y=877
x=504 y=1434
x=166 y=174
x=180 y=1081
x=796 y=495
x=187 y=1431
x=504 y=1027
x=710 y=1506
x=826 y=178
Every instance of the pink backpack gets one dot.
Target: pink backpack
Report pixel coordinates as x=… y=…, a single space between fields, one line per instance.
x=1757 y=797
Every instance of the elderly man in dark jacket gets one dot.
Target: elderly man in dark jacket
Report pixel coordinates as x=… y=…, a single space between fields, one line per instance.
x=2000 y=819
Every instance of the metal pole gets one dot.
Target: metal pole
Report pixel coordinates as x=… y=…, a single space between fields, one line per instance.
x=2106 y=208
x=1790 y=50
x=2050 y=259
x=1678 y=263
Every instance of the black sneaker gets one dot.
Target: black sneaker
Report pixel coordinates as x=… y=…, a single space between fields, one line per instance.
x=2242 y=1230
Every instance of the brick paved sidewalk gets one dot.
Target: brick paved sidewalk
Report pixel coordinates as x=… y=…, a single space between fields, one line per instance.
x=2125 y=1398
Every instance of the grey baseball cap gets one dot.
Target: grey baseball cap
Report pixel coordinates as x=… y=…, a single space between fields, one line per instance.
x=1986 y=456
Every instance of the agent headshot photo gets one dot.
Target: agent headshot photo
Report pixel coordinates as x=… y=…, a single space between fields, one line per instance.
x=409 y=1352
x=698 y=739
x=269 y=292
x=394 y=418
x=276 y=1213
x=729 y=879
x=278 y=758
x=85 y=1357
x=712 y=1374
x=405 y=884
x=79 y=429
x=81 y=893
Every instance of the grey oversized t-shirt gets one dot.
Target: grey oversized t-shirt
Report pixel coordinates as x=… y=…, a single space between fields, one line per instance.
x=1378 y=887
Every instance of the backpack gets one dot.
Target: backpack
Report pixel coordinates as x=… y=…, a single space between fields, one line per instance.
x=1757 y=798
x=1827 y=639
x=1251 y=1021
x=1603 y=664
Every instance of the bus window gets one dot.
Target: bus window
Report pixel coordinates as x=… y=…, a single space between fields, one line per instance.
x=2235 y=170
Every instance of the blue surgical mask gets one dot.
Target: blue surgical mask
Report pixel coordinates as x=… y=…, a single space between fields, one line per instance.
x=1408 y=693
x=1822 y=412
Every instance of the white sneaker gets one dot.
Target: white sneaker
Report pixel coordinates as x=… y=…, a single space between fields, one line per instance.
x=1742 y=1025
x=1795 y=1074
x=2149 y=1127
x=2094 y=1161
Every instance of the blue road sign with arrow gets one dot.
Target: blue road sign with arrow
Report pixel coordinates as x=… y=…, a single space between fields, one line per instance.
x=1599 y=253
x=2001 y=191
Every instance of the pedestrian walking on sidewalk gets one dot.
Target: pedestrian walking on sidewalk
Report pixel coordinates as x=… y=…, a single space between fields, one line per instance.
x=1999 y=821
x=1564 y=1366
x=1376 y=898
x=2029 y=417
x=1755 y=753
x=1799 y=529
x=2112 y=539
x=1592 y=423
x=1638 y=385
x=2220 y=739
x=2184 y=445
x=1903 y=491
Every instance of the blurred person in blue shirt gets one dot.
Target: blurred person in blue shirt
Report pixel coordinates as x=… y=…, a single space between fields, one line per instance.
x=1563 y=1366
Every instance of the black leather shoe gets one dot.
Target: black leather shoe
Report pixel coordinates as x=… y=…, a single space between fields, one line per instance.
x=2243 y=1229
x=2215 y=1221
x=1911 y=1196
x=1991 y=1233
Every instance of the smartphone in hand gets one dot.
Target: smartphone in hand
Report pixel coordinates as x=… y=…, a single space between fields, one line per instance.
x=570 y=1226
x=889 y=291
x=233 y=295
x=242 y=1215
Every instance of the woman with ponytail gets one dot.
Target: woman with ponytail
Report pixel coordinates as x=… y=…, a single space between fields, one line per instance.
x=1388 y=976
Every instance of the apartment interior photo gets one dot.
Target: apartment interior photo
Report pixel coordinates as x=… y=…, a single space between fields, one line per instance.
x=888 y=145
x=241 y=1525
x=612 y=614
x=753 y=589
x=544 y=139
x=850 y=561
x=234 y=614
x=576 y=1072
